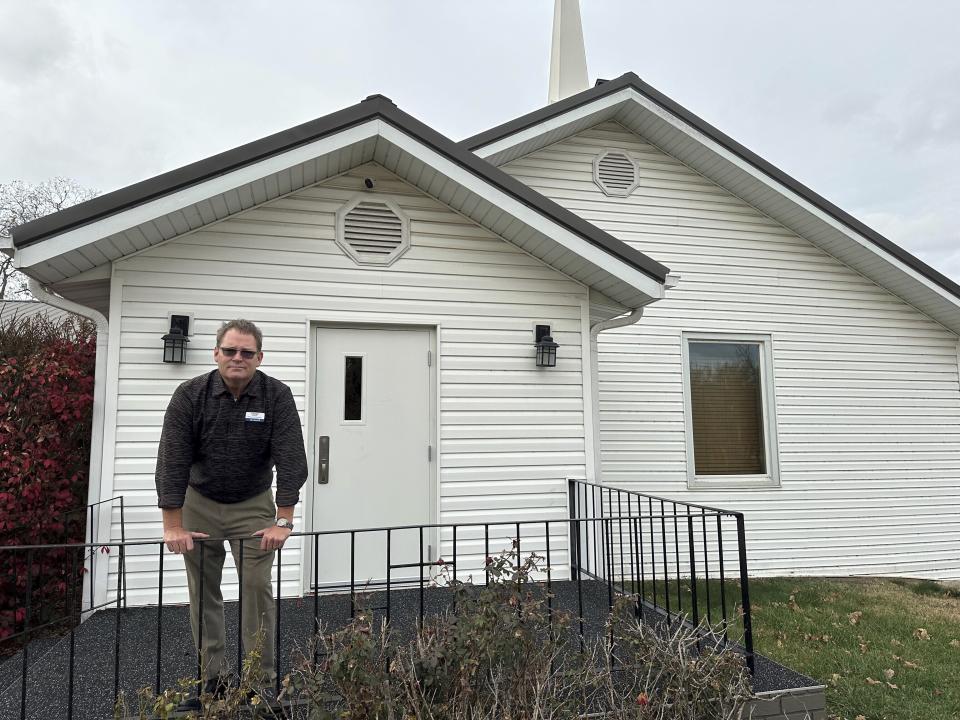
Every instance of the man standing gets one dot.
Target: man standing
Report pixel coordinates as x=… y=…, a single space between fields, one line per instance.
x=223 y=432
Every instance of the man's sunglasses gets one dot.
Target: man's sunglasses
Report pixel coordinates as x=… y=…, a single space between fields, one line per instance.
x=245 y=354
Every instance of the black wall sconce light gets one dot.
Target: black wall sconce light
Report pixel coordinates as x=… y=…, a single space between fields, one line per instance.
x=175 y=341
x=546 y=347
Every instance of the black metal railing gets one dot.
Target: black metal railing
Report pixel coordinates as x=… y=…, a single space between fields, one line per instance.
x=52 y=577
x=588 y=560
x=57 y=564
x=674 y=556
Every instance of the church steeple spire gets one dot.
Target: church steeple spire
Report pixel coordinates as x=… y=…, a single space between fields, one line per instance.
x=568 y=58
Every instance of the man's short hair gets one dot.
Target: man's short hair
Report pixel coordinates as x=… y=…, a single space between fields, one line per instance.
x=244 y=327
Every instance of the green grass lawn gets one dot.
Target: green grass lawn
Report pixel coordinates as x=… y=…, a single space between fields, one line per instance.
x=885 y=649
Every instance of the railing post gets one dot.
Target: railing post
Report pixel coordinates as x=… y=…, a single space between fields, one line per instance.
x=706 y=563
x=316 y=583
x=26 y=637
x=159 y=619
x=116 y=649
x=549 y=581
x=420 y=573
x=723 y=579
x=676 y=559
x=92 y=575
x=276 y=632
x=240 y=647
x=666 y=568
x=572 y=513
x=454 y=540
x=574 y=550
x=200 y=622
x=73 y=628
x=745 y=592
x=389 y=563
x=693 y=569
x=314 y=639
x=653 y=552
x=123 y=561
x=486 y=554
x=353 y=574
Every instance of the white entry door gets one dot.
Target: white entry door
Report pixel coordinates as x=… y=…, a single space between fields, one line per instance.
x=373 y=449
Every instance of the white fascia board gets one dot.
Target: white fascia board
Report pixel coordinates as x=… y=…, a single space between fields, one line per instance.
x=126 y=219
x=630 y=94
x=554 y=123
x=786 y=192
x=524 y=213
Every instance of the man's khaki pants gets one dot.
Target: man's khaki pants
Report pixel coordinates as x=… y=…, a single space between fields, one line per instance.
x=234 y=520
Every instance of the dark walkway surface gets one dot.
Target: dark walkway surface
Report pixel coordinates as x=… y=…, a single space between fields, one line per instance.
x=95 y=643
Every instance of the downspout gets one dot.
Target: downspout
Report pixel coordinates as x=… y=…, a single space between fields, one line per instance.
x=616 y=322
x=633 y=317
x=595 y=330
x=99 y=396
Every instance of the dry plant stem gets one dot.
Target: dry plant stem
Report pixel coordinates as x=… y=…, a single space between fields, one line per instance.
x=499 y=657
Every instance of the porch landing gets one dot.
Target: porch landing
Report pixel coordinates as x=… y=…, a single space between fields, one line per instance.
x=96 y=642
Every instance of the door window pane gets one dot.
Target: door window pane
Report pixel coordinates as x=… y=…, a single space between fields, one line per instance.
x=726 y=399
x=353 y=388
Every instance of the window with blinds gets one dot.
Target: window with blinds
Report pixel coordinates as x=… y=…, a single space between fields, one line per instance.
x=728 y=422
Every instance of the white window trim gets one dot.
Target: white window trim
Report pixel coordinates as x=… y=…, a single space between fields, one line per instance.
x=768 y=403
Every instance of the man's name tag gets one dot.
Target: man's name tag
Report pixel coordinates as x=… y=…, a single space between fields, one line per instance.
x=255 y=417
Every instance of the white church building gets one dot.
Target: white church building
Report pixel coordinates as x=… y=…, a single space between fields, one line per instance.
x=724 y=334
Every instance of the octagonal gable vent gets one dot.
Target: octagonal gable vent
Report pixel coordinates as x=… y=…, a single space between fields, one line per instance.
x=616 y=173
x=372 y=232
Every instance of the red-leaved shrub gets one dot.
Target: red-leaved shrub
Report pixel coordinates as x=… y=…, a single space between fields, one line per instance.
x=46 y=403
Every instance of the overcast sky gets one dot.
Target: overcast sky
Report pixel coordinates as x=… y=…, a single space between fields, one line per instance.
x=858 y=99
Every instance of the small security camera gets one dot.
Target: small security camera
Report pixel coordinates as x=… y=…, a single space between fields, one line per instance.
x=368 y=183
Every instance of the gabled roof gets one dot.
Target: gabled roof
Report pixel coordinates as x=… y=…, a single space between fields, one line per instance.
x=73 y=241
x=718 y=157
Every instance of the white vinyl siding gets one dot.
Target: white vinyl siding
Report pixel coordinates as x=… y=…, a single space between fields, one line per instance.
x=509 y=433
x=867 y=402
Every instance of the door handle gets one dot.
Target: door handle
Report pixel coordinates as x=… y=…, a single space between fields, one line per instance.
x=323 y=458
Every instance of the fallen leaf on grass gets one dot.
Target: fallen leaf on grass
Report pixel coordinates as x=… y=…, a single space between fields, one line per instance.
x=854 y=617
x=860 y=717
x=871 y=681
x=896 y=643
x=938 y=693
x=921 y=634
x=835 y=678
x=908 y=664
x=892 y=686
x=955 y=643
x=889 y=673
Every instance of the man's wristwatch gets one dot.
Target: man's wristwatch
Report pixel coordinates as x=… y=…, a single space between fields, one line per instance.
x=284 y=523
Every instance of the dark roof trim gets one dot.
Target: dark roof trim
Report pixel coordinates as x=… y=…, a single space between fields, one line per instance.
x=603 y=88
x=375 y=106
x=526 y=195
x=192 y=174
